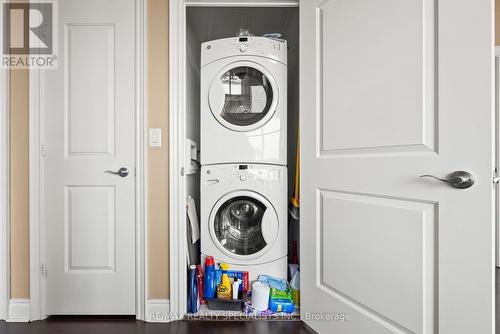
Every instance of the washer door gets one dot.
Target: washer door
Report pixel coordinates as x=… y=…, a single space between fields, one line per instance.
x=243 y=225
x=243 y=96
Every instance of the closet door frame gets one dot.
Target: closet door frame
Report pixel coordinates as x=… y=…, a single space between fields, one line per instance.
x=177 y=138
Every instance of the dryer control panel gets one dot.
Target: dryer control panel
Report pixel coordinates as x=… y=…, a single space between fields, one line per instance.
x=241 y=46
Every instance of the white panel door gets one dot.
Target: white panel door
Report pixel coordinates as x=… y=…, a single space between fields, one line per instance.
x=89 y=128
x=391 y=90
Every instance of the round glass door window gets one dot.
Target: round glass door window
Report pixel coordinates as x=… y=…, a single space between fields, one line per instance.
x=243 y=97
x=238 y=225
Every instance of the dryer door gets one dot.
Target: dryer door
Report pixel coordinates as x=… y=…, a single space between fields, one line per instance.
x=243 y=225
x=243 y=96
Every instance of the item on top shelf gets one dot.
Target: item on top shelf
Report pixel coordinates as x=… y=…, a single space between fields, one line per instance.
x=274 y=282
x=275 y=35
x=224 y=289
x=209 y=282
x=260 y=296
x=200 y=283
x=235 y=274
x=193 y=302
x=295 y=286
x=236 y=287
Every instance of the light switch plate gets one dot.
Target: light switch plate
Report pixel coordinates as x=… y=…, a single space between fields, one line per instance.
x=154 y=137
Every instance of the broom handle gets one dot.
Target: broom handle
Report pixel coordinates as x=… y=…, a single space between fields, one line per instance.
x=297 y=168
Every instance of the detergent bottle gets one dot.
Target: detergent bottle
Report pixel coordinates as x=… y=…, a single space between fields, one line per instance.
x=193 y=301
x=209 y=283
x=224 y=289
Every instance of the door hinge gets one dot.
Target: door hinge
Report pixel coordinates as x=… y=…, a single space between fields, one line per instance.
x=182 y=171
x=44 y=269
x=43 y=150
x=496 y=179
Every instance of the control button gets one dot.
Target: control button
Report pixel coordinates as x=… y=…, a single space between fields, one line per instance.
x=243 y=177
x=243 y=47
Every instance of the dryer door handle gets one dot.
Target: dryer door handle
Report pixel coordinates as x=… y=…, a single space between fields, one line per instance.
x=270 y=226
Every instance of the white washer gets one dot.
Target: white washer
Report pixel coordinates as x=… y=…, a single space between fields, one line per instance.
x=244 y=217
x=244 y=101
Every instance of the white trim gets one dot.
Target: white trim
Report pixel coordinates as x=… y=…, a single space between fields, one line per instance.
x=141 y=158
x=4 y=187
x=232 y=3
x=497 y=153
x=36 y=217
x=177 y=180
x=158 y=310
x=4 y=191
x=37 y=187
x=19 y=310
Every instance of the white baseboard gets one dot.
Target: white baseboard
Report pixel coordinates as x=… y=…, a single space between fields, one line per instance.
x=19 y=310
x=158 y=310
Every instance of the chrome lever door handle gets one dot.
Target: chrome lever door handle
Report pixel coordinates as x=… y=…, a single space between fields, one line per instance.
x=458 y=179
x=121 y=172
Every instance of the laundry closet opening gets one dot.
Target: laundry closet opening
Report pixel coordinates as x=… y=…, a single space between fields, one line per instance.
x=242 y=121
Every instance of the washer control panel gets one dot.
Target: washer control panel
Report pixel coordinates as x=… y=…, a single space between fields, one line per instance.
x=244 y=173
x=241 y=174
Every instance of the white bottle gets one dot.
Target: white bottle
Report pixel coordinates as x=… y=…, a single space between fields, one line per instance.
x=236 y=287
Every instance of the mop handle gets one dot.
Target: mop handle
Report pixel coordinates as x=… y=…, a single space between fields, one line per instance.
x=297 y=171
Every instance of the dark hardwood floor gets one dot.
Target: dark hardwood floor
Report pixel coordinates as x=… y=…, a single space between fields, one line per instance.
x=130 y=326
x=104 y=325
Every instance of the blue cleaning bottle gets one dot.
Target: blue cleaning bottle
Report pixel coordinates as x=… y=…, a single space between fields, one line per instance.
x=209 y=282
x=192 y=303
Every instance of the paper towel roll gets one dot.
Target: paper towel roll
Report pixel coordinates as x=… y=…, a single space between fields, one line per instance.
x=260 y=296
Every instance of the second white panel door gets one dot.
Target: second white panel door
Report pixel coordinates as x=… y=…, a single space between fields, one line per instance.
x=88 y=105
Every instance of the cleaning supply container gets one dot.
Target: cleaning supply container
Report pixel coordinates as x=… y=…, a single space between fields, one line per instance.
x=209 y=282
x=260 y=296
x=295 y=286
x=224 y=289
x=199 y=269
x=192 y=304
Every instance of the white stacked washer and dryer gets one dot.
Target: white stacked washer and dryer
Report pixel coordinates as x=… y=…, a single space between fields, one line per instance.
x=244 y=154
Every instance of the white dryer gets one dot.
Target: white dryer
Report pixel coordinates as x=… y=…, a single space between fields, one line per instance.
x=244 y=101
x=244 y=217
